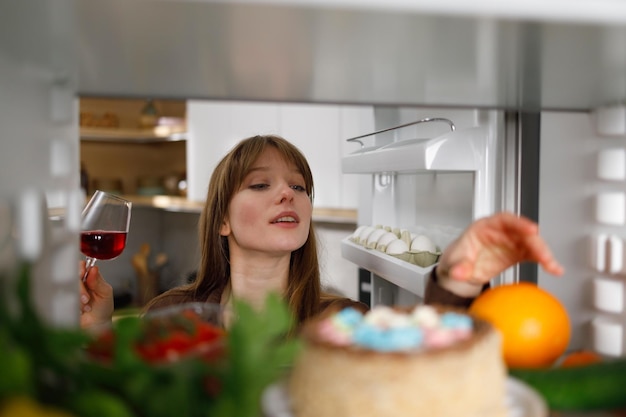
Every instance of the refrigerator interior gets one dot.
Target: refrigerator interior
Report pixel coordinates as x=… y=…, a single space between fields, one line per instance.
x=581 y=212
x=530 y=64
x=431 y=178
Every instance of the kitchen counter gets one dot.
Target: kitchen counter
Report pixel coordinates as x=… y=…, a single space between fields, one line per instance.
x=183 y=205
x=595 y=413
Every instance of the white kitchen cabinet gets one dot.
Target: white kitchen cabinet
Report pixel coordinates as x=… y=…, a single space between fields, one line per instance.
x=319 y=130
x=315 y=130
x=214 y=127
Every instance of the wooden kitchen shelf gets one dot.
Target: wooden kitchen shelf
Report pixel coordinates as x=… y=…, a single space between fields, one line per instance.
x=183 y=205
x=126 y=135
x=334 y=215
x=166 y=202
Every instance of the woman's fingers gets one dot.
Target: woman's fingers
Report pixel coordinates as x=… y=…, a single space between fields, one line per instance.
x=540 y=252
x=461 y=271
x=94 y=286
x=493 y=244
x=96 y=298
x=84 y=293
x=519 y=225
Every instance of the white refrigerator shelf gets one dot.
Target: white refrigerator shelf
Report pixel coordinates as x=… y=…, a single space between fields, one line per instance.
x=462 y=150
x=405 y=275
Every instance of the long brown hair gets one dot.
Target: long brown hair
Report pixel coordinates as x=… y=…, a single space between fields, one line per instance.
x=303 y=284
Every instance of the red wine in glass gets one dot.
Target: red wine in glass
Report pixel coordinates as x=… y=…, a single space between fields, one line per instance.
x=104 y=227
x=101 y=244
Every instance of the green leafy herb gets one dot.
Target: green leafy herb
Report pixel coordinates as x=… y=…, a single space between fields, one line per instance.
x=260 y=352
x=51 y=365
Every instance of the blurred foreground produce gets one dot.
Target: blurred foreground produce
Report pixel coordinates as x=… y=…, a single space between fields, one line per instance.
x=118 y=373
x=580 y=358
x=182 y=332
x=534 y=325
x=593 y=387
x=536 y=330
x=28 y=407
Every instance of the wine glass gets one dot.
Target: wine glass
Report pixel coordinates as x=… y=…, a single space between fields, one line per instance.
x=104 y=226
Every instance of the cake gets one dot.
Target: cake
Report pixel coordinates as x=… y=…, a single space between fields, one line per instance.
x=409 y=362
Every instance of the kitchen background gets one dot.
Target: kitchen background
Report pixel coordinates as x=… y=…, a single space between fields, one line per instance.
x=120 y=154
x=547 y=68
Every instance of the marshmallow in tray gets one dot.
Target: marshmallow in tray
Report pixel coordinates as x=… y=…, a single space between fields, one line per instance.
x=417 y=249
x=386 y=329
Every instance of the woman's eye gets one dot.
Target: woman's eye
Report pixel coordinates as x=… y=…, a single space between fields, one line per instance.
x=258 y=186
x=298 y=188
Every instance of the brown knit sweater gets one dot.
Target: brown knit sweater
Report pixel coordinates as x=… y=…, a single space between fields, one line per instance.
x=435 y=294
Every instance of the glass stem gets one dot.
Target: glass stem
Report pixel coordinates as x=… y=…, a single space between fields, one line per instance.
x=89 y=262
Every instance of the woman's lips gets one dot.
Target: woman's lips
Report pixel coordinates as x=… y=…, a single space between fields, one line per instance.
x=286 y=218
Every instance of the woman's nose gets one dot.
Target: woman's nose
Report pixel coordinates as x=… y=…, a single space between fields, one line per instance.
x=286 y=193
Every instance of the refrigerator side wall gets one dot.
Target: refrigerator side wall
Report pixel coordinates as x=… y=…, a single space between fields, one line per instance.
x=39 y=157
x=568 y=190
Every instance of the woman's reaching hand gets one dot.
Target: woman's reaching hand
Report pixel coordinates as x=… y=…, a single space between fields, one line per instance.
x=487 y=248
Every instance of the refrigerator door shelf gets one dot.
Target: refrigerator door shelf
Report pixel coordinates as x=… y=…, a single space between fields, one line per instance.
x=607 y=336
x=459 y=150
x=410 y=277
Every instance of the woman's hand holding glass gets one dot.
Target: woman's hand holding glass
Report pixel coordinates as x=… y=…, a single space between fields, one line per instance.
x=96 y=298
x=104 y=227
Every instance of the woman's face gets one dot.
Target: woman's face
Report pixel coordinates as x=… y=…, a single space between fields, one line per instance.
x=271 y=211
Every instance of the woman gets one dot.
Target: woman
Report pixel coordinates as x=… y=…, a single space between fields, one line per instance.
x=255 y=234
x=256 y=237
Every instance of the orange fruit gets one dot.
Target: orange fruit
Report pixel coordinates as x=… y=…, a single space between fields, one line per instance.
x=534 y=325
x=580 y=358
